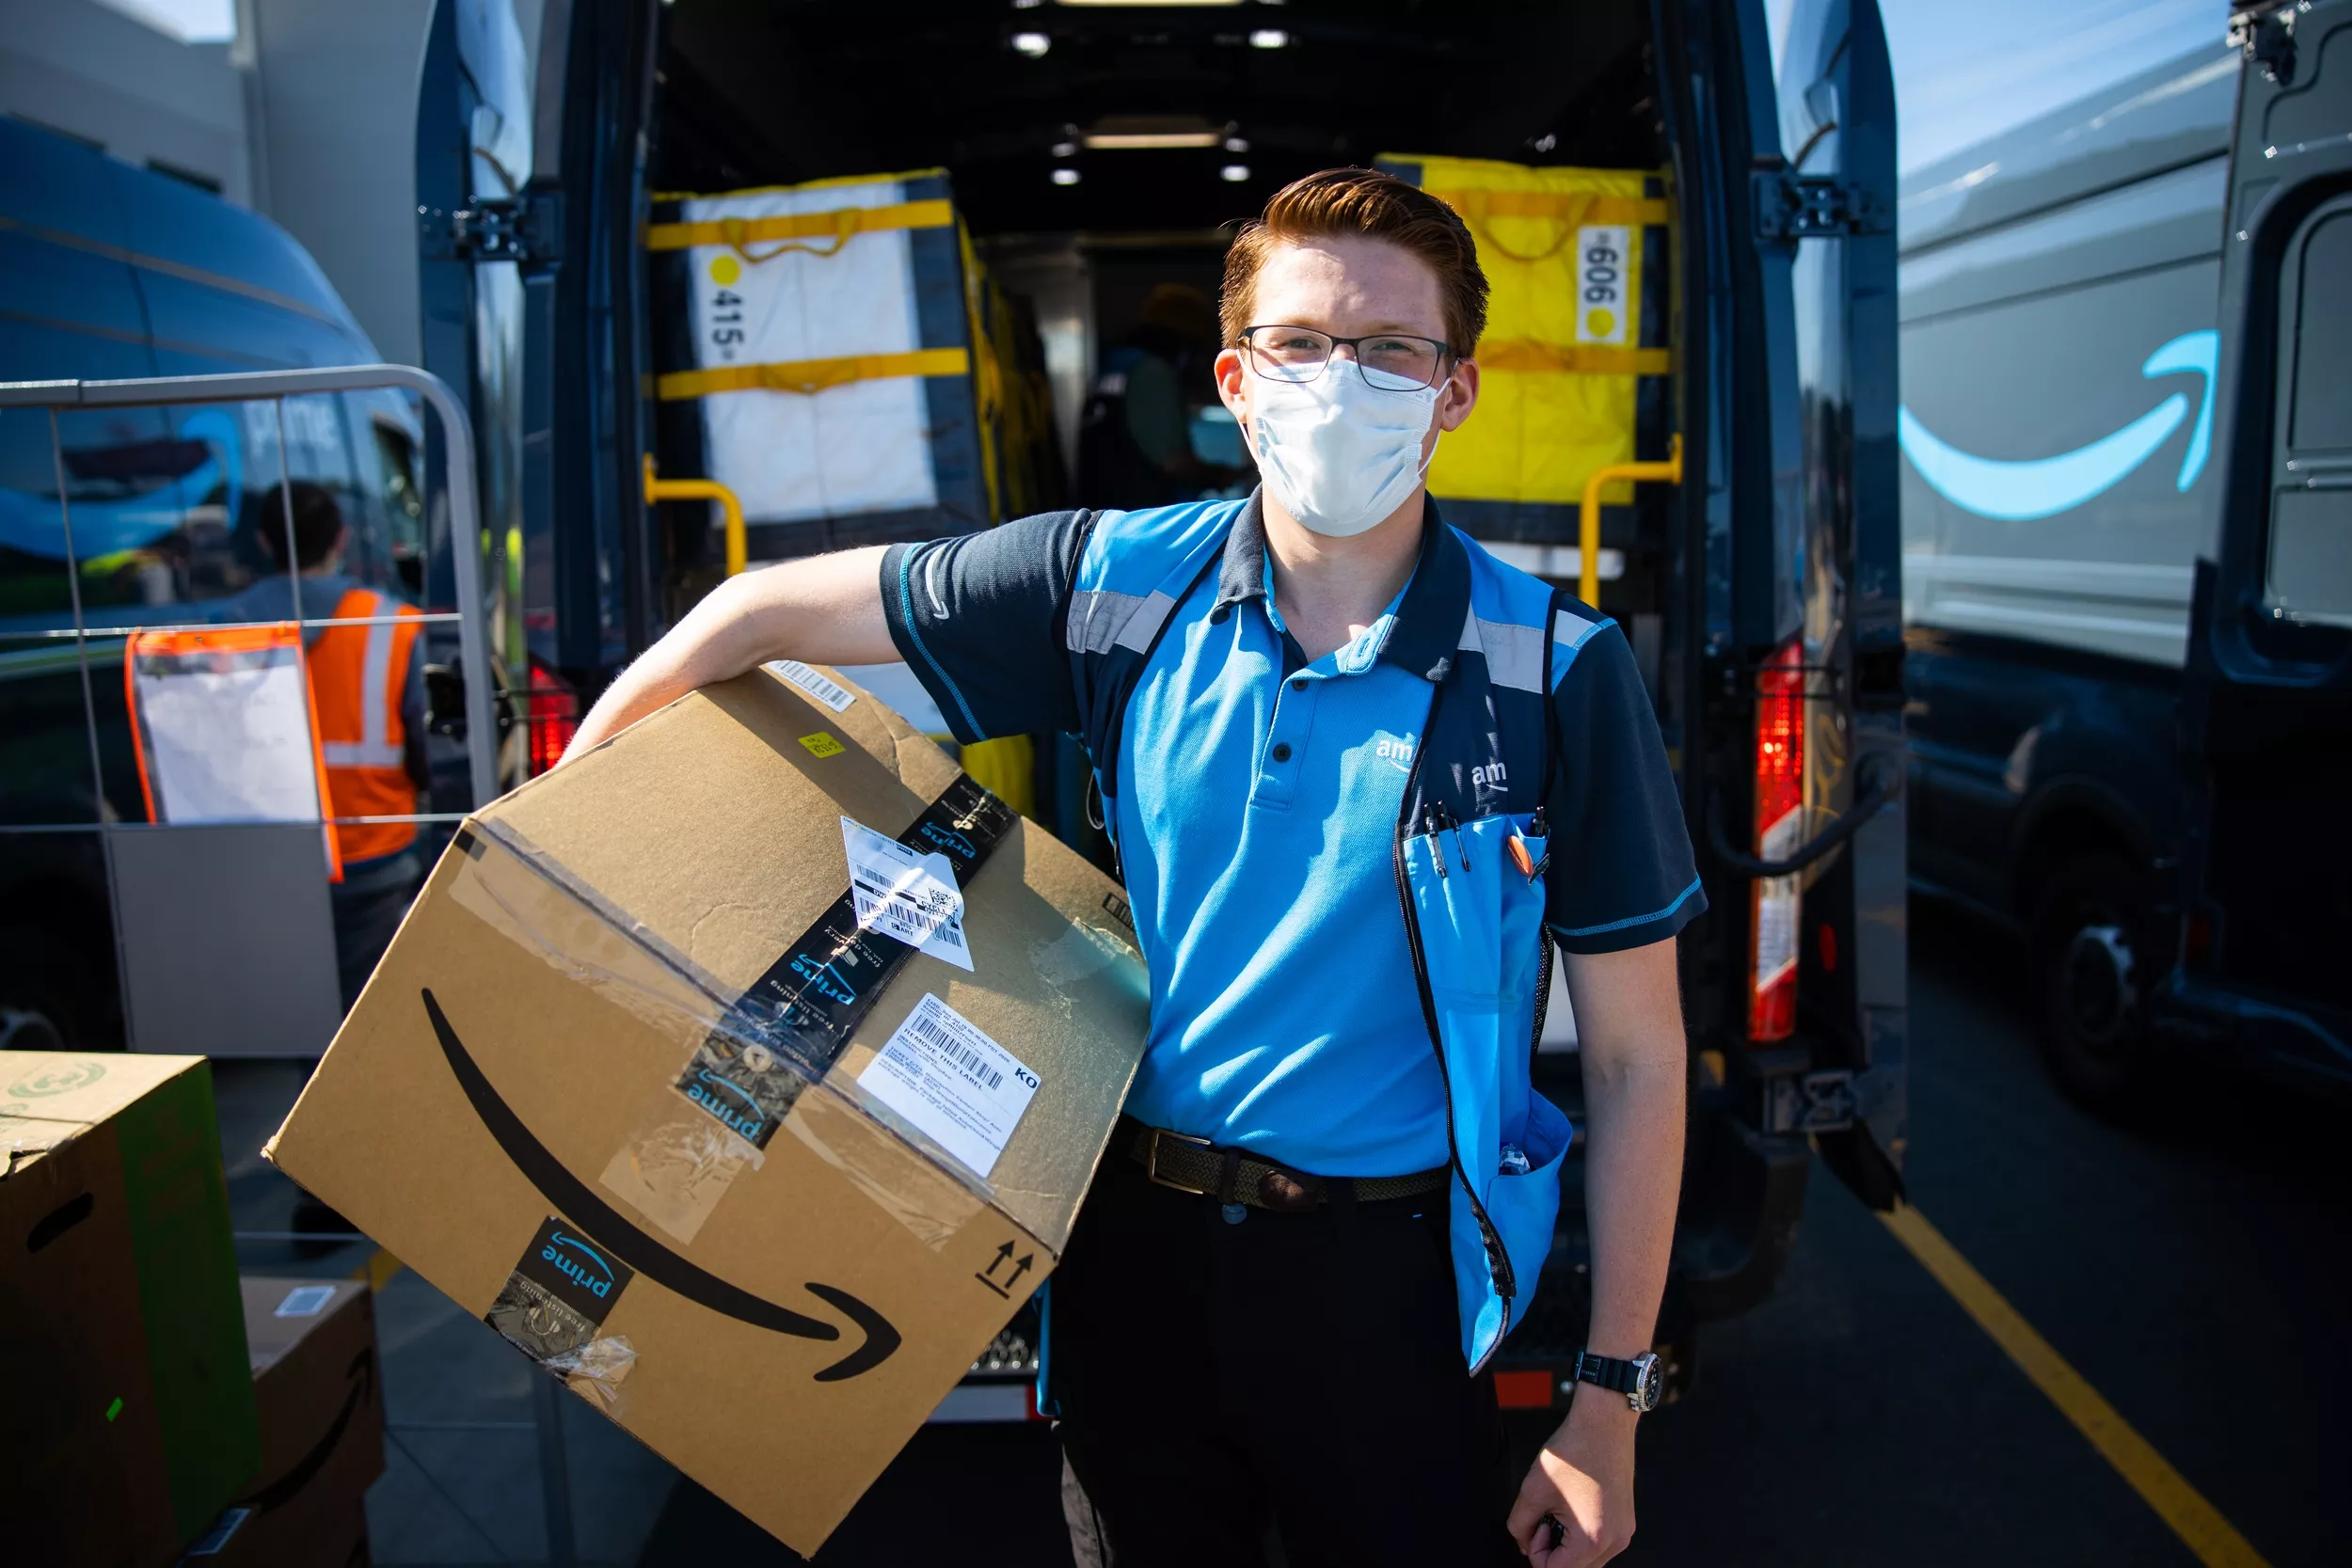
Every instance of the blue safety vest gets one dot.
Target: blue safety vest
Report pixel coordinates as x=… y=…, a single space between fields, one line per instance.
x=1474 y=920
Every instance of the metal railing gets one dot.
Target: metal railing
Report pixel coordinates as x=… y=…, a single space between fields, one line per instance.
x=185 y=987
x=471 y=616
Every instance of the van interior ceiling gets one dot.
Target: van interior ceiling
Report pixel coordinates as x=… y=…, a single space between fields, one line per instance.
x=761 y=92
x=1095 y=151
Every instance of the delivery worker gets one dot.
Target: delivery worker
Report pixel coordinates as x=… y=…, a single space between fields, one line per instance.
x=367 y=688
x=1354 y=764
x=1134 y=444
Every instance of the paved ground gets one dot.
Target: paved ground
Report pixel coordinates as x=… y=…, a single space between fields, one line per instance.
x=2184 y=1262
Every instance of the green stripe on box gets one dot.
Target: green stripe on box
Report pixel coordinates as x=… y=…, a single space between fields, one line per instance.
x=177 y=1203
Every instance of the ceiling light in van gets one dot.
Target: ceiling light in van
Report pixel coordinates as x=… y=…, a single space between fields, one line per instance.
x=1236 y=144
x=1139 y=141
x=1235 y=172
x=1065 y=150
x=1269 y=38
x=1032 y=45
x=1065 y=177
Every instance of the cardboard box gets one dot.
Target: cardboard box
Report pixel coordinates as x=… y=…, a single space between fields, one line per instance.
x=318 y=1398
x=634 y=1086
x=127 y=1409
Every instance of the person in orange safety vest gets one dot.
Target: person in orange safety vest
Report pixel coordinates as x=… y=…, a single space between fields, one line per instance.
x=367 y=687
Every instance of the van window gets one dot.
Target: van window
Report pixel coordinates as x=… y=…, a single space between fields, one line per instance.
x=2311 y=520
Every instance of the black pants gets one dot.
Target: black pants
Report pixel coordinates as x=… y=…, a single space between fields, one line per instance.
x=1298 y=1370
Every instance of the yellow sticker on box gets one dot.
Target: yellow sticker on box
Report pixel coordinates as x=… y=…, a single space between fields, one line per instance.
x=822 y=744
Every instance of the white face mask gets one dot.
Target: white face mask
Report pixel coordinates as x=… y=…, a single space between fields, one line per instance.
x=1336 y=453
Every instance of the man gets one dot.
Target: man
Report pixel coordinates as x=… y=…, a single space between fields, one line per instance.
x=367 y=688
x=1353 y=764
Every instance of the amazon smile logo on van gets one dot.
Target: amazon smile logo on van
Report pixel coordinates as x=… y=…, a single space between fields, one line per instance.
x=2022 y=489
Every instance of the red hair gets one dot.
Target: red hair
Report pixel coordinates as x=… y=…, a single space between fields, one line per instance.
x=1376 y=206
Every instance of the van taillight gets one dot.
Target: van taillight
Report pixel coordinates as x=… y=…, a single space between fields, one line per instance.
x=1779 y=829
x=551 y=718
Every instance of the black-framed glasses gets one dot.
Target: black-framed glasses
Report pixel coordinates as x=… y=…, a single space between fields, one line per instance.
x=1392 y=361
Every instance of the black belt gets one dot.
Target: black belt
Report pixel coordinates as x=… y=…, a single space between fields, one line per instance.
x=1192 y=1164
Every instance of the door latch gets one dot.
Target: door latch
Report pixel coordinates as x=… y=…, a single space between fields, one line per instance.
x=1814 y=206
x=526 y=229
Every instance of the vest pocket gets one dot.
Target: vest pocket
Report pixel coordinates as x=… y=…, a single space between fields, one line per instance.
x=1479 y=914
x=1526 y=1207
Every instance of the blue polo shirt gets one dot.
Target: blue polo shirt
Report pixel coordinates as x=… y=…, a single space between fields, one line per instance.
x=1258 y=807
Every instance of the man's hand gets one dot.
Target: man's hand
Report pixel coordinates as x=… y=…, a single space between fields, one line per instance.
x=1584 y=1477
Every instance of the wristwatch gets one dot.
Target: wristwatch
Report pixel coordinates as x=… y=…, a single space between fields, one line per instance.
x=1642 y=1380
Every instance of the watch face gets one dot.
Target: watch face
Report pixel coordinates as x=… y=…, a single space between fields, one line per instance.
x=1653 y=1382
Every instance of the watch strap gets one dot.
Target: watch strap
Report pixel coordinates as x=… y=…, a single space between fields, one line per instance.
x=1608 y=1371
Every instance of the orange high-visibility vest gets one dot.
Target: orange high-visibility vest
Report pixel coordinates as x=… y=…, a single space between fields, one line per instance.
x=357 y=674
x=223 y=728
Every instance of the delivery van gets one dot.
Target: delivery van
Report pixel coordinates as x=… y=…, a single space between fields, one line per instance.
x=126 y=518
x=2066 y=300
x=595 y=199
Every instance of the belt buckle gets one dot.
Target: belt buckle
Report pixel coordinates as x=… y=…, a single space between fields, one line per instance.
x=1152 y=1159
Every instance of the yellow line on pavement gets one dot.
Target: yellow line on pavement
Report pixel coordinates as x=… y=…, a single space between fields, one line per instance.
x=2196 y=1522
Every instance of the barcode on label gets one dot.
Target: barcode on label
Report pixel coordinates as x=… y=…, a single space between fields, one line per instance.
x=952 y=1083
x=830 y=693
x=902 y=909
x=945 y=1043
x=905 y=893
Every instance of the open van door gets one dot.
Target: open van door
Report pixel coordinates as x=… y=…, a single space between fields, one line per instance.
x=2268 y=706
x=1829 y=211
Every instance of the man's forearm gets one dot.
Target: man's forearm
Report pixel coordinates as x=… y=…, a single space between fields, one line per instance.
x=1629 y=1014
x=826 y=609
x=1633 y=1181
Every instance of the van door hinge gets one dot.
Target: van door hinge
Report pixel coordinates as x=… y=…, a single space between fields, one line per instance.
x=2265 y=34
x=1814 y=1102
x=1814 y=206
x=526 y=229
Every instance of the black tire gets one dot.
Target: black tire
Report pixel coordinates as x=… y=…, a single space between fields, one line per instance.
x=50 y=1000
x=2091 y=975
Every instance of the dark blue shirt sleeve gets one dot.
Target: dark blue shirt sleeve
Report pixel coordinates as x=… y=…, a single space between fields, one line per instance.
x=980 y=620
x=1622 y=874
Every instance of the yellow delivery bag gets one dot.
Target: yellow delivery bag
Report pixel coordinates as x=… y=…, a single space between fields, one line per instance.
x=1573 y=363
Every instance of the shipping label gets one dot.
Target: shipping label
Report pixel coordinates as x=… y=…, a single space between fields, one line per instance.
x=906 y=892
x=953 y=1083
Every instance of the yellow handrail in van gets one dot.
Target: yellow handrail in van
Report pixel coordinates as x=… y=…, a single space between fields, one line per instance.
x=1588 y=516
x=738 y=545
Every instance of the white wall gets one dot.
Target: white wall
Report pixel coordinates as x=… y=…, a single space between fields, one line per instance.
x=334 y=111
x=78 y=66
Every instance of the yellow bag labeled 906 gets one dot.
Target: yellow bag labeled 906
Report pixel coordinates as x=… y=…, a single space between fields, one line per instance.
x=1574 y=362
